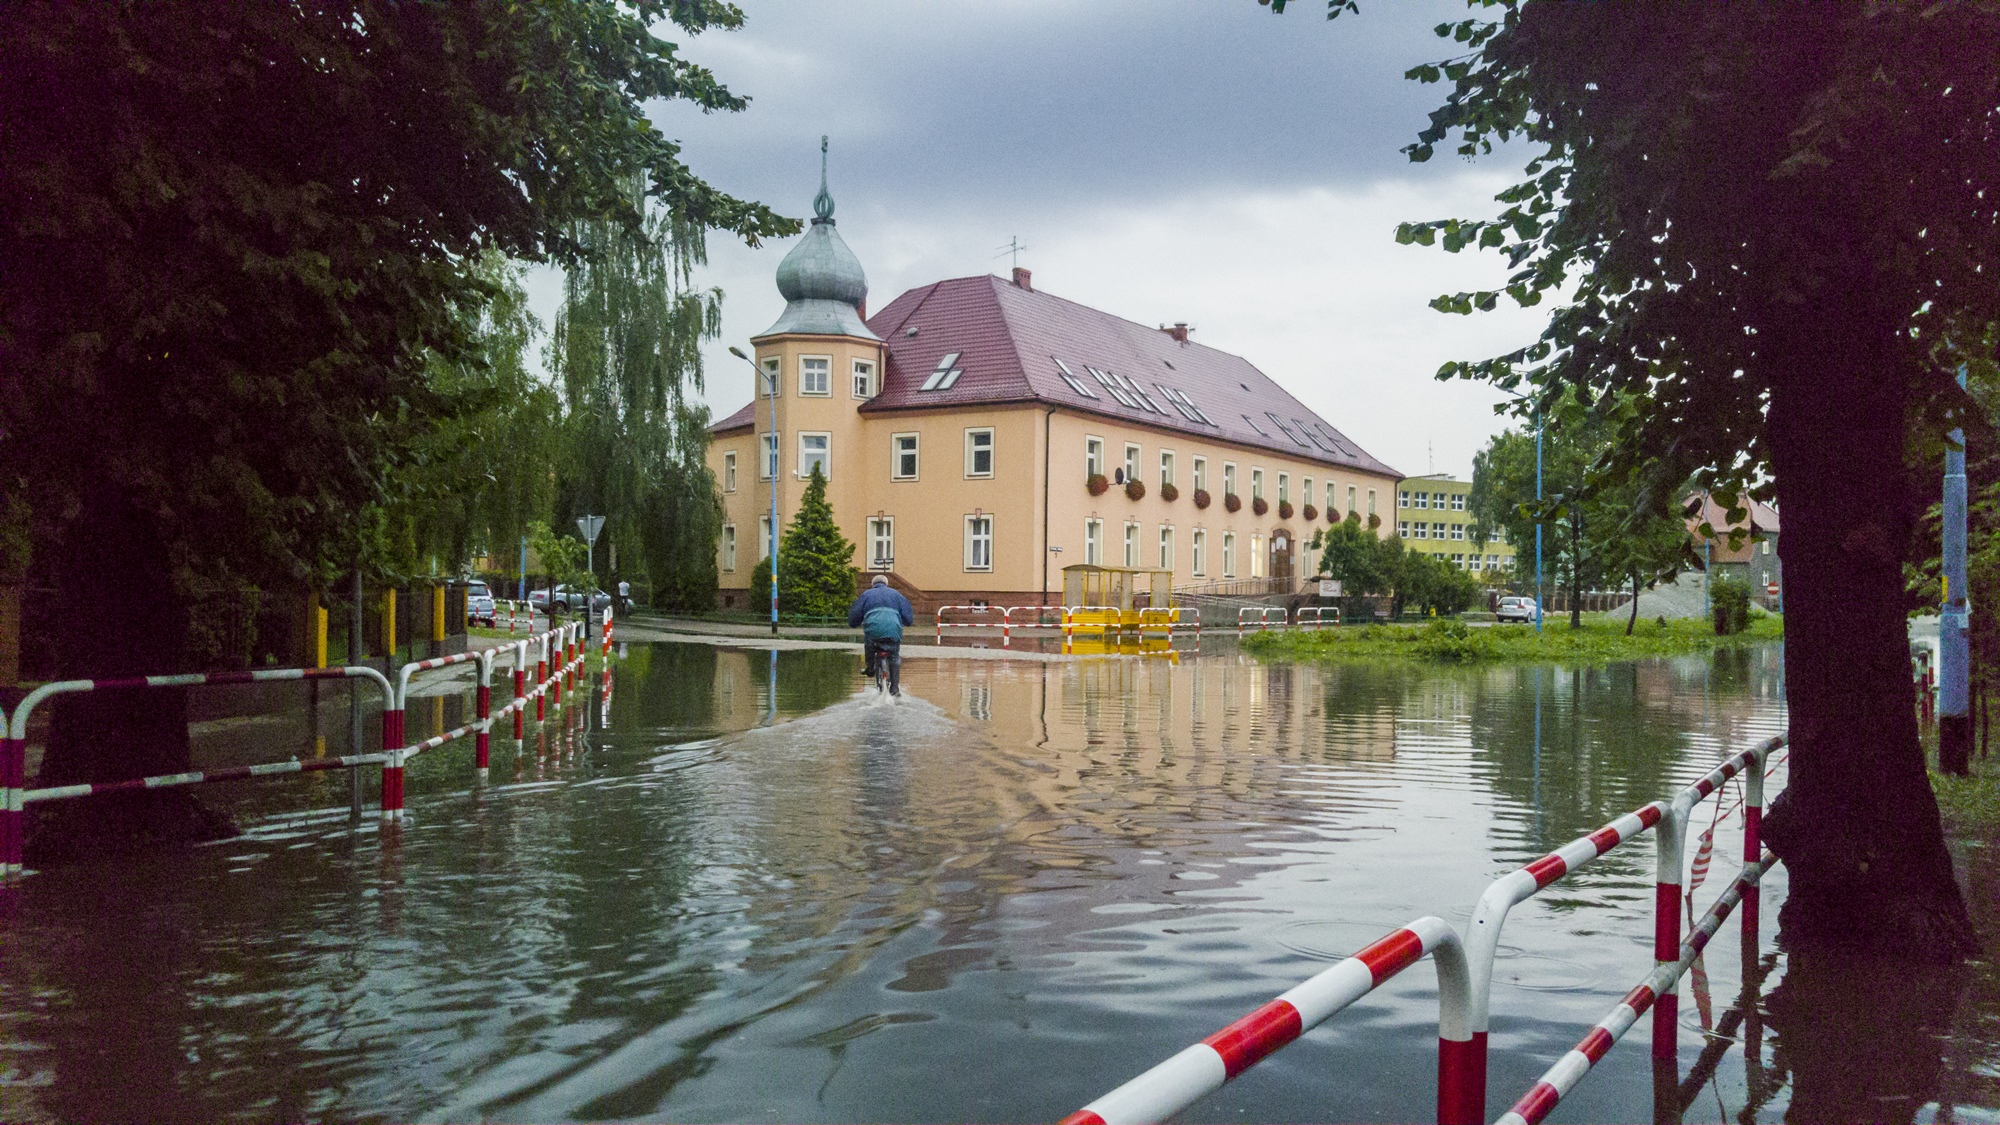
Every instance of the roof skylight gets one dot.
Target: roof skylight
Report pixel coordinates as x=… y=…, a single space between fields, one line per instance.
x=1075 y=384
x=1317 y=438
x=1284 y=429
x=1253 y=425
x=1113 y=384
x=1185 y=405
x=946 y=373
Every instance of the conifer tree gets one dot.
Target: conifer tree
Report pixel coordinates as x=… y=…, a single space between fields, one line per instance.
x=815 y=562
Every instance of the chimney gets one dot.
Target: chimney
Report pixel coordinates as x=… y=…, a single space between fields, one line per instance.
x=1021 y=278
x=1179 y=331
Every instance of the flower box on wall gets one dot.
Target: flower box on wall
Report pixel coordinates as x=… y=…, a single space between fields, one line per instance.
x=1284 y=509
x=1169 y=493
x=1232 y=501
x=1135 y=489
x=1201 y=498
x=1099 y=484
x=1311 y=513
x=1258 y=505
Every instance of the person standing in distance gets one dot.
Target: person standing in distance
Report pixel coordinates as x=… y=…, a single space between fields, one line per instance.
x=881 y=613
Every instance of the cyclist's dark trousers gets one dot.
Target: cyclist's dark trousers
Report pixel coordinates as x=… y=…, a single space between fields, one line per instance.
x=891 y=651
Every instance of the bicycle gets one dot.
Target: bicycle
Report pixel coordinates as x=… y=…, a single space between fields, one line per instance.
x=878 y=662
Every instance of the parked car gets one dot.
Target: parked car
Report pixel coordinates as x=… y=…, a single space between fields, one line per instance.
x=1515 y=609
x=478 y=604
x=568 y=599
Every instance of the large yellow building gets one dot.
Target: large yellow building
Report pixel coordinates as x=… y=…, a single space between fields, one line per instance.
x=963 y=427
x=1431 y=517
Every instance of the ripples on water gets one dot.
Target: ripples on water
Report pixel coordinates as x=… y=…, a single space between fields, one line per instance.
x=734 y=898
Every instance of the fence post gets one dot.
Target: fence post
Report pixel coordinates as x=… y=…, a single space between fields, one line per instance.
x=1753 y=847
x=13 y=809
x=520 y=689
x=1670 y=838
x=482 y=739
x=392 y=761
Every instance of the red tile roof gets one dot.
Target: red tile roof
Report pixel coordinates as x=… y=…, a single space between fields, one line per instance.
x=1008 y=340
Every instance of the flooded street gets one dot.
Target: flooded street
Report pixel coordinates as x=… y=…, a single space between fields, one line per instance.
x=735 y=897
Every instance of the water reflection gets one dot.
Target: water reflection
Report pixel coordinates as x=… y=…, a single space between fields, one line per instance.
x=744 y=888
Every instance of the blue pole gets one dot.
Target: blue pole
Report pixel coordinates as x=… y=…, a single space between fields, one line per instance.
x=521 y=594
x=1954 y=648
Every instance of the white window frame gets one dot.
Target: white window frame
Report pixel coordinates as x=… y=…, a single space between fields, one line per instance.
x=1458 y=501
x=1256 y=555
x=1131 y=461
x=1256 y=485
x=1420 y=500
x=1458 y=531
x=729 y=471
x=978 y=534
x=1437 y=501
x=772 y=377
x=1229 y=478
x=1402 y=529
x=763 y=538
x=896 y=456
x=1403 y=498
x=1200 y=473
x=1166 y=467
x=1093 y=542
x=1350 y=498
x=1166 y=546
x=1093 y=456
x=970 y=450
x=1229 y=554
x=803 y=470
x=1371 y=501
x=729 y=547
x=1284 y=488
x=826 y=389
x=881 y=542
x=1305 y=490
x=1132 y=544
x=771 y=442
x=863 y=372
x=1200 y=561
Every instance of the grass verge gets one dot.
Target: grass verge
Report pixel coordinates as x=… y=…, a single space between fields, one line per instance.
x=1601 y=637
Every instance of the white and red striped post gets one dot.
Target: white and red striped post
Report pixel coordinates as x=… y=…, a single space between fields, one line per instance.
x=13 y=809
x=392 y=761
x=1668 y=846
x=1753 y=848
x=482 y=740
x=1200 y=1070
x=606 y=653
x=520 y=689
x=542 y=680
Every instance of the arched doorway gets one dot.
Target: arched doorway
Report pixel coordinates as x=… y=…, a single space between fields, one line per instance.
x=1280 y=569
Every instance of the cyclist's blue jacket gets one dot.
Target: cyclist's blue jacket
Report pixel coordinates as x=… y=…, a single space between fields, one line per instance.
x=881 y=613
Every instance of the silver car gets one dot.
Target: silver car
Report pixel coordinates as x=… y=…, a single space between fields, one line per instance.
x=478 y=604
x=1521 y=610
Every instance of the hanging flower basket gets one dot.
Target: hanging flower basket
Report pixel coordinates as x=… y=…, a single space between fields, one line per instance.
x=1135 y=489
x=1374 y=522
x=1311 y=513
x=1099 y=484
x=1259 y=505
x=1353 y=517
x=1201 y=497
x=1232 y=501
x=1284 y=509
x=1169 y=493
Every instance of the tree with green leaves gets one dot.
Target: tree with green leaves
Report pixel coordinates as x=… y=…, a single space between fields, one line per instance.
x=239 y=239
x=1775 y=228
x=1502 y=501
x=815 y=562
x=626 y=351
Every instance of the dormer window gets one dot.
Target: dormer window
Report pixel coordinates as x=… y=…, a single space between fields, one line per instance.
x=944 y=375
x=1075 y=384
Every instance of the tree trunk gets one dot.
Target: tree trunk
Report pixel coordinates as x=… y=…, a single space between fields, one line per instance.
x=1634 y=619
x=121 y=616
x=1857 y=825
x=1575 y=567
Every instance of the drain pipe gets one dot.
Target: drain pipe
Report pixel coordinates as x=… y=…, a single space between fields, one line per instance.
x=1046 y=417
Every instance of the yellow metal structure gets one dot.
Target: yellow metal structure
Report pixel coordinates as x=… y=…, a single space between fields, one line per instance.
x=319 y=637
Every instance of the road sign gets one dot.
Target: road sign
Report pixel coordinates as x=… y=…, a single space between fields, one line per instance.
x=590 y=526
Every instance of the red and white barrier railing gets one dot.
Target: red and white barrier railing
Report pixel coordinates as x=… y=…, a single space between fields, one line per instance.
x=1563 y=1077
x=1462 y=1065
x=1317 y=615
x=1259 y=617
x=983 y=610
x=14 y=794
x=1200 y=1070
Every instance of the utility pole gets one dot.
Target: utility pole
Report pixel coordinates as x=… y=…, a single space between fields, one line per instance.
x=590 y=526
x=1954 y=642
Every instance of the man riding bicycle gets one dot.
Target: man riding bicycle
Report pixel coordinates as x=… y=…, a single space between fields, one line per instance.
x=881 y=613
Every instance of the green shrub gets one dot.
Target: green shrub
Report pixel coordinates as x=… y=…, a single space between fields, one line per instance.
x=1729 y=604
x=1450 y=640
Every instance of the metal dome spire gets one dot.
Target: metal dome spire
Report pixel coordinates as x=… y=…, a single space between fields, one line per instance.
x=823 y=202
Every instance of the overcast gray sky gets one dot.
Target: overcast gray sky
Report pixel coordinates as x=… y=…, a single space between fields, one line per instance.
x=1171 y=160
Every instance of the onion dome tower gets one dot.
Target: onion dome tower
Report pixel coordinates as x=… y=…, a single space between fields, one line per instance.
x=821 y=279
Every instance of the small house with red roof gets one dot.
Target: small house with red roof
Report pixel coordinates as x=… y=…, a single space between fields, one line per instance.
x=978 y=435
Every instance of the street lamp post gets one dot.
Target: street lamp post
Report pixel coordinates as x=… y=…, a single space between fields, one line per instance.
x=775 y=458
x=1538 y=503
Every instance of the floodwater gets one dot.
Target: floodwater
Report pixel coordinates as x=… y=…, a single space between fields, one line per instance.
x=743 y=889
